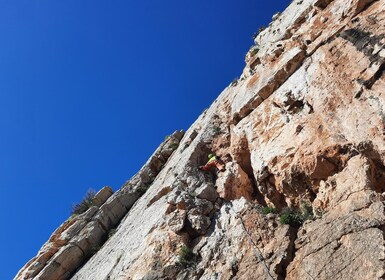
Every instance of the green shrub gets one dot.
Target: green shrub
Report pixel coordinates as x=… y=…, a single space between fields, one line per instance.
x=216 y=130
x=306 y=212
x=290 y=217
x=111 y=232
x=85 y=204
x=186 y=256
x=254 y=51
x=94 y=250
x=268 y=210
x=260 y=29
x=295 y=217
x=141 y=190
x=174 y=146
x=193 y=194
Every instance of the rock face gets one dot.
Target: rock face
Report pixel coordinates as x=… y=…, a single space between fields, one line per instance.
x=350 y=234
x=302 y=136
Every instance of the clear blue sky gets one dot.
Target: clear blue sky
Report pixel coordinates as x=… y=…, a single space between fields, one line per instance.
x=90 y=88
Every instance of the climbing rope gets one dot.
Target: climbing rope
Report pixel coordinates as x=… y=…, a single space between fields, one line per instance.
x=257 y=251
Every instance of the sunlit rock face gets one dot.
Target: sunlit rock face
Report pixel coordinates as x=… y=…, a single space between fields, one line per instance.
x=302 y=138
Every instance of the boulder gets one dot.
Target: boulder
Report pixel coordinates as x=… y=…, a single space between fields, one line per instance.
x=176 y=220
x=102 y=196
x=207 y=192
x=199 y=223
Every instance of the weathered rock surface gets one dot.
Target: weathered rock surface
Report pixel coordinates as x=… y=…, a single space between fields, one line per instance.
x=234 y=183
x=348 y=240
x=303 y=128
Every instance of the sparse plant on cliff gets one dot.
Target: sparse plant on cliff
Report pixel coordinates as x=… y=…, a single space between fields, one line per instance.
x=94 y=250
x=141 y=190
x=193 y=194
x=260 y=29
x=111 y=232
x=291 y=217
x=268 y=210
x=174 y=145
x=254 y=51
x=85 y=204
x=296 y=217
x=186 y=256
x=216 y=130
x=306 y=211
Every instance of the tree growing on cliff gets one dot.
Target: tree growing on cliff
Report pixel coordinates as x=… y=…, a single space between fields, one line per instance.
x=85 y=204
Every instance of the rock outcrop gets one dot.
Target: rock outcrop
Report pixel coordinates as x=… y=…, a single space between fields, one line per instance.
x=302 y=136
x=77 y=239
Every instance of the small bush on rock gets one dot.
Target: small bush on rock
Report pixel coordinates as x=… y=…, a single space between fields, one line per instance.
x=186 y=256
x=193 y=194
x=260 y=29
x=216 y=130
x=290 y=217
x=143 y=189
x=295 y=217
x=85 y=204
x=268 y=210
x=254 y=51
x=174 y=146
x=111 y=232
x=94 y=250
x=306 y=212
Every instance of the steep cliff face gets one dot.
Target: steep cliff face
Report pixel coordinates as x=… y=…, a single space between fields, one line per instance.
x=302 y=136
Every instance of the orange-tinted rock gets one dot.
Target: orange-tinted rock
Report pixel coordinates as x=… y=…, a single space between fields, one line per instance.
x=234 y=183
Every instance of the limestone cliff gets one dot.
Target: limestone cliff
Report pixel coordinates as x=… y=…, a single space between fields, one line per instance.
x=302 y=136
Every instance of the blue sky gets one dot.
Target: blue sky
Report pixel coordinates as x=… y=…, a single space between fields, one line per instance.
x=90 y=88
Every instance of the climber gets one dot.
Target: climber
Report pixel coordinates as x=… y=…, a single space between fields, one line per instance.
x=214 y=161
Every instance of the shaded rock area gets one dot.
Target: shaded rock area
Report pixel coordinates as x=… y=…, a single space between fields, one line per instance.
x=302 y=137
